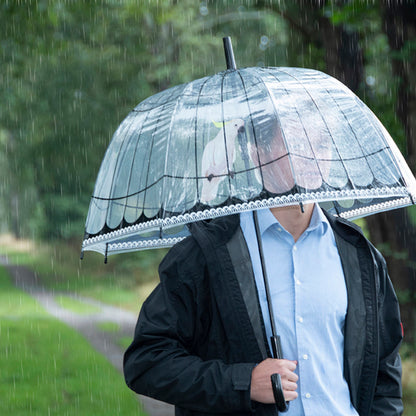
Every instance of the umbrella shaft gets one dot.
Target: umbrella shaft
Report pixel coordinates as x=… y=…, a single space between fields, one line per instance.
x=265 y=279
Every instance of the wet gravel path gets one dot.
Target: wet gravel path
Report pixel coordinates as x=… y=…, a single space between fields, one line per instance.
x=104 y=342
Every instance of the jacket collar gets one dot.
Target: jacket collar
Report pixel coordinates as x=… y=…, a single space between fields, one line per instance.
x=218 y=230
x=345 y=229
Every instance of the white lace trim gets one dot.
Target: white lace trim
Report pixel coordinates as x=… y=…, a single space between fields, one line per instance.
x=383 y=206
x=163 y=224
x=139 y=245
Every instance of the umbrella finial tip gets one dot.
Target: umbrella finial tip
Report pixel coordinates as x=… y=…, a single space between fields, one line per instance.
x=229 y=53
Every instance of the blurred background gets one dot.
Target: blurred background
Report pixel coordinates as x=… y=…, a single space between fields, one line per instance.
x=70 y=73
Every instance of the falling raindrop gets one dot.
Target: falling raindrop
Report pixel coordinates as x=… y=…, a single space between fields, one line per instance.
x=370 y=81
x=203 y=9
x=264 y=40
x=264 y=43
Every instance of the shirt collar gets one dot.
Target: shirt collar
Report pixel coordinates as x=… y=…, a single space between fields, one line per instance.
x=318 y=221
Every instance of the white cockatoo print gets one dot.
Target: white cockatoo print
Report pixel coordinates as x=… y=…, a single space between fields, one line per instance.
x=218 y=158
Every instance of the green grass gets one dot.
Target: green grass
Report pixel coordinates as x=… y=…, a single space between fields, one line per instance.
x=49 y=369
x=108 y=326
x=125 y=281
x=77 y=306
x=124 y=342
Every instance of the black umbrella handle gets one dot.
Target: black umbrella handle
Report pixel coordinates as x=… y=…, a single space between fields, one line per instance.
x=279 y=398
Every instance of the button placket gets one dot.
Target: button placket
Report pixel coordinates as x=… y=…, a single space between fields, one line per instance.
x=300 y=320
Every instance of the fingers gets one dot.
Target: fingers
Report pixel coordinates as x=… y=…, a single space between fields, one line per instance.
x=290 y=395
x=286 y=371
x=288 y=364
x=279 y=364
x=289 y=390
x=261 y=387
x=289 y=380
x=289 y=386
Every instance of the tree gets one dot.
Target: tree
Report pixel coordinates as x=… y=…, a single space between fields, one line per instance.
x=73 y=71
x=395 y=232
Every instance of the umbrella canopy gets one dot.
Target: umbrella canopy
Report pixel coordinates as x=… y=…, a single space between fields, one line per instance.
x=242 y=139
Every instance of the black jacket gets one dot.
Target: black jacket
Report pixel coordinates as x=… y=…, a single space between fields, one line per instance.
x=200 y=333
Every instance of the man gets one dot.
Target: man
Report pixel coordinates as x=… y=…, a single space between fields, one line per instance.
x=201 y=341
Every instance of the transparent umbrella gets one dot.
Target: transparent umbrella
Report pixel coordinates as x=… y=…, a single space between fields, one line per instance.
x=242 y=140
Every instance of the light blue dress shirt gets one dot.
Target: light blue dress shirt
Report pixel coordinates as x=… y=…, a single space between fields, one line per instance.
x=309 y=298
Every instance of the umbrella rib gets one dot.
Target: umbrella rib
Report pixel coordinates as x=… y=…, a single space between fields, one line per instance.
x=281 y=129
x=123 y=144
x=132 y=164
x=254 y=132
x=162 y=205
x=224 y=131
x=195 y=138
x=151 y=148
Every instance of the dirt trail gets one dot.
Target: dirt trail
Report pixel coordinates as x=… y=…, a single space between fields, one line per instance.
x=104 y=342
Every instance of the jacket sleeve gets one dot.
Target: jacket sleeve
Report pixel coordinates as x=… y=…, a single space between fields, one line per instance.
x=388 y=393
x=161 y=361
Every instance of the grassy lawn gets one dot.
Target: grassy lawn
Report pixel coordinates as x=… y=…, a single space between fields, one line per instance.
x=49 y=369
x=75 y=305
x=125 y=281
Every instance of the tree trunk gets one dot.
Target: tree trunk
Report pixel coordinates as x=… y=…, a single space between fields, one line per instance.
x=394 y=231
x=399 y=24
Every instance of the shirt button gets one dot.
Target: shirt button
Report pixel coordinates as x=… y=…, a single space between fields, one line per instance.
x=295 y=248
x=305 y=356
x=300 y=319
x=308 y=395
x=297 y=281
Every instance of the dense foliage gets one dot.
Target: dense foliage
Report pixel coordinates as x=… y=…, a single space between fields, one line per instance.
x=71 y=71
